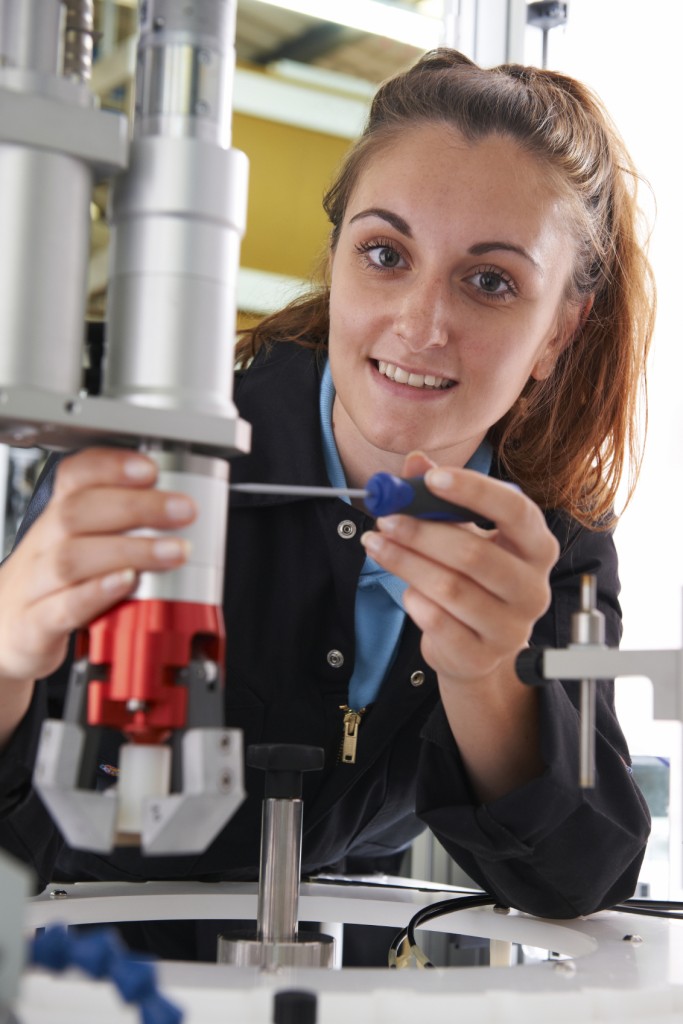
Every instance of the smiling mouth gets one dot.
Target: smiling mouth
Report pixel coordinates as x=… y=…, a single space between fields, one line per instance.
x=427 y=381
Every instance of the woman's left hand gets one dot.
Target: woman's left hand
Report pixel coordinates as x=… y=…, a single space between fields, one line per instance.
x=476 y=595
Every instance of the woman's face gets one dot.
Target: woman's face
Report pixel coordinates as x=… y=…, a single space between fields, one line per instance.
x=447 y=286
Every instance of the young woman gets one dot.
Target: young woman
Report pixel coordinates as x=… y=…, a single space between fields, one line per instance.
x=485 y=320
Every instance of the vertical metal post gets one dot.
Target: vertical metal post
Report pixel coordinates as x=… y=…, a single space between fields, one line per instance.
x=588 y=627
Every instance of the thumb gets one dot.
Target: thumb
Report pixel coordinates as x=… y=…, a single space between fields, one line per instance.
x=416 y=464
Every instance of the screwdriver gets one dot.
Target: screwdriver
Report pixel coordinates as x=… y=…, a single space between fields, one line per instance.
x=384 y=494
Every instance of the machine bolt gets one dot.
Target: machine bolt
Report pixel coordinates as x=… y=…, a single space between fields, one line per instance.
x=566 y=967
x=136 y=705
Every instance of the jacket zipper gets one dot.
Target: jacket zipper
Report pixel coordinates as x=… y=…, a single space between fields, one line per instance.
x=351 y=724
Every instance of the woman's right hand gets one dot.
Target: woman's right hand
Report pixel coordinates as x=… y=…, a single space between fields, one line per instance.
x=78 y=559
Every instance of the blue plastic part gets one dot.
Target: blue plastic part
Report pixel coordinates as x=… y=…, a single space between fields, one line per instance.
x=100 y=953
x=96 y=952
x=387 y=493
x=135 y=979
x=51 y=948
x=157 y=1010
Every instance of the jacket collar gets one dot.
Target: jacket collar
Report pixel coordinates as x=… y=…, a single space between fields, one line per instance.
x=278 y=394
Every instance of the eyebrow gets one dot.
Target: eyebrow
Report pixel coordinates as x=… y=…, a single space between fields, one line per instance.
x=391 y=218
x=480 y=249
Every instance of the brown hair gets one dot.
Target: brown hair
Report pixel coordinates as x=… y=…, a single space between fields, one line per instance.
x=567 y=439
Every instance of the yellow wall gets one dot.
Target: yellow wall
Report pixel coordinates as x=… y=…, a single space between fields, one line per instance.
x=289 y=170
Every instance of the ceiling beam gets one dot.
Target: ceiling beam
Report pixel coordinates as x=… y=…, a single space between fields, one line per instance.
x=310 y=45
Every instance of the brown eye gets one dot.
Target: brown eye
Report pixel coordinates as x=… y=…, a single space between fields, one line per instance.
x=380 y=254
x=388 y=258
x=493 y=284
x=490 y=282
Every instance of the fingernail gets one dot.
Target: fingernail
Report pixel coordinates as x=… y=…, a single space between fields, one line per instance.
x=179 y=508
x=439 y=478
x=139 y=469
x=170 y=549
x=122 y=580
x=371 y=542
x=387 y=524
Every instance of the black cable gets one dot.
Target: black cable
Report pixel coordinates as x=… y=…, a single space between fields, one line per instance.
x=445 y=907
x=672 y=915
x=659 y=904
x=432 y=911
x=671 y=909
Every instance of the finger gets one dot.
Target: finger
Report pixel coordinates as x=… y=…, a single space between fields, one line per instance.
x=519 y=520
x=85 y=558
x=416 y=464
x=470 y=553
x=97 y=467
x=447 y=644
x=459 y=596
x=114 y=510
x=78 y=606
x=39 y=640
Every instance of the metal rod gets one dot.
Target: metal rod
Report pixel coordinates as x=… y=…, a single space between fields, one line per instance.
x=306 y=491
x=587 y=734
x=588 y=627
x=278 y=901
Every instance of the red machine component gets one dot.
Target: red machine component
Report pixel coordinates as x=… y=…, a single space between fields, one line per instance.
x=140 y=648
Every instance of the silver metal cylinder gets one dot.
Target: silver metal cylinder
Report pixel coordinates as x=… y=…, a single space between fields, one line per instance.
x=44 y=212
x=587 y=627
x=200 y=579
x=588 y=624
x=30 y=35
x=177 y=218
x=186 y=65
x=51 y=137
x=279 y=883
x=311 y=949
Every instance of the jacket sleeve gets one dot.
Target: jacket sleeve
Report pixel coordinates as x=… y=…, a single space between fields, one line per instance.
x=549 y=848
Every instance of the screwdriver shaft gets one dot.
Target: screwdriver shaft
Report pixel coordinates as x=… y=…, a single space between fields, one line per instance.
x=300 y=489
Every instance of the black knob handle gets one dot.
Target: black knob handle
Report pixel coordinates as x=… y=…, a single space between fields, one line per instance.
x=529 y=666
x=295 y=1006
x=284 y=765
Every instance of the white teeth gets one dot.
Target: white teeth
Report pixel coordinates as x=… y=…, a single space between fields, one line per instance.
x=414 y=380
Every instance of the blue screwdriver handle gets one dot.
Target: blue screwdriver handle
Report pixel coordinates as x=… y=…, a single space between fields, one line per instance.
x=387 y=493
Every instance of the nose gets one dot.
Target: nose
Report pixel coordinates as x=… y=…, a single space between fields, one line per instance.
x=422 y=319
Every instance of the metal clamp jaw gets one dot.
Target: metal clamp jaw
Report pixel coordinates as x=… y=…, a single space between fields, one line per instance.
x=168 y=799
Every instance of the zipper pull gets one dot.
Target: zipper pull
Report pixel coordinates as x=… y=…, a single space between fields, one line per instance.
x=350 y=737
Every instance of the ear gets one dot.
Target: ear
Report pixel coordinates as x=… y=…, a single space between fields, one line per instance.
x=570 y=327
